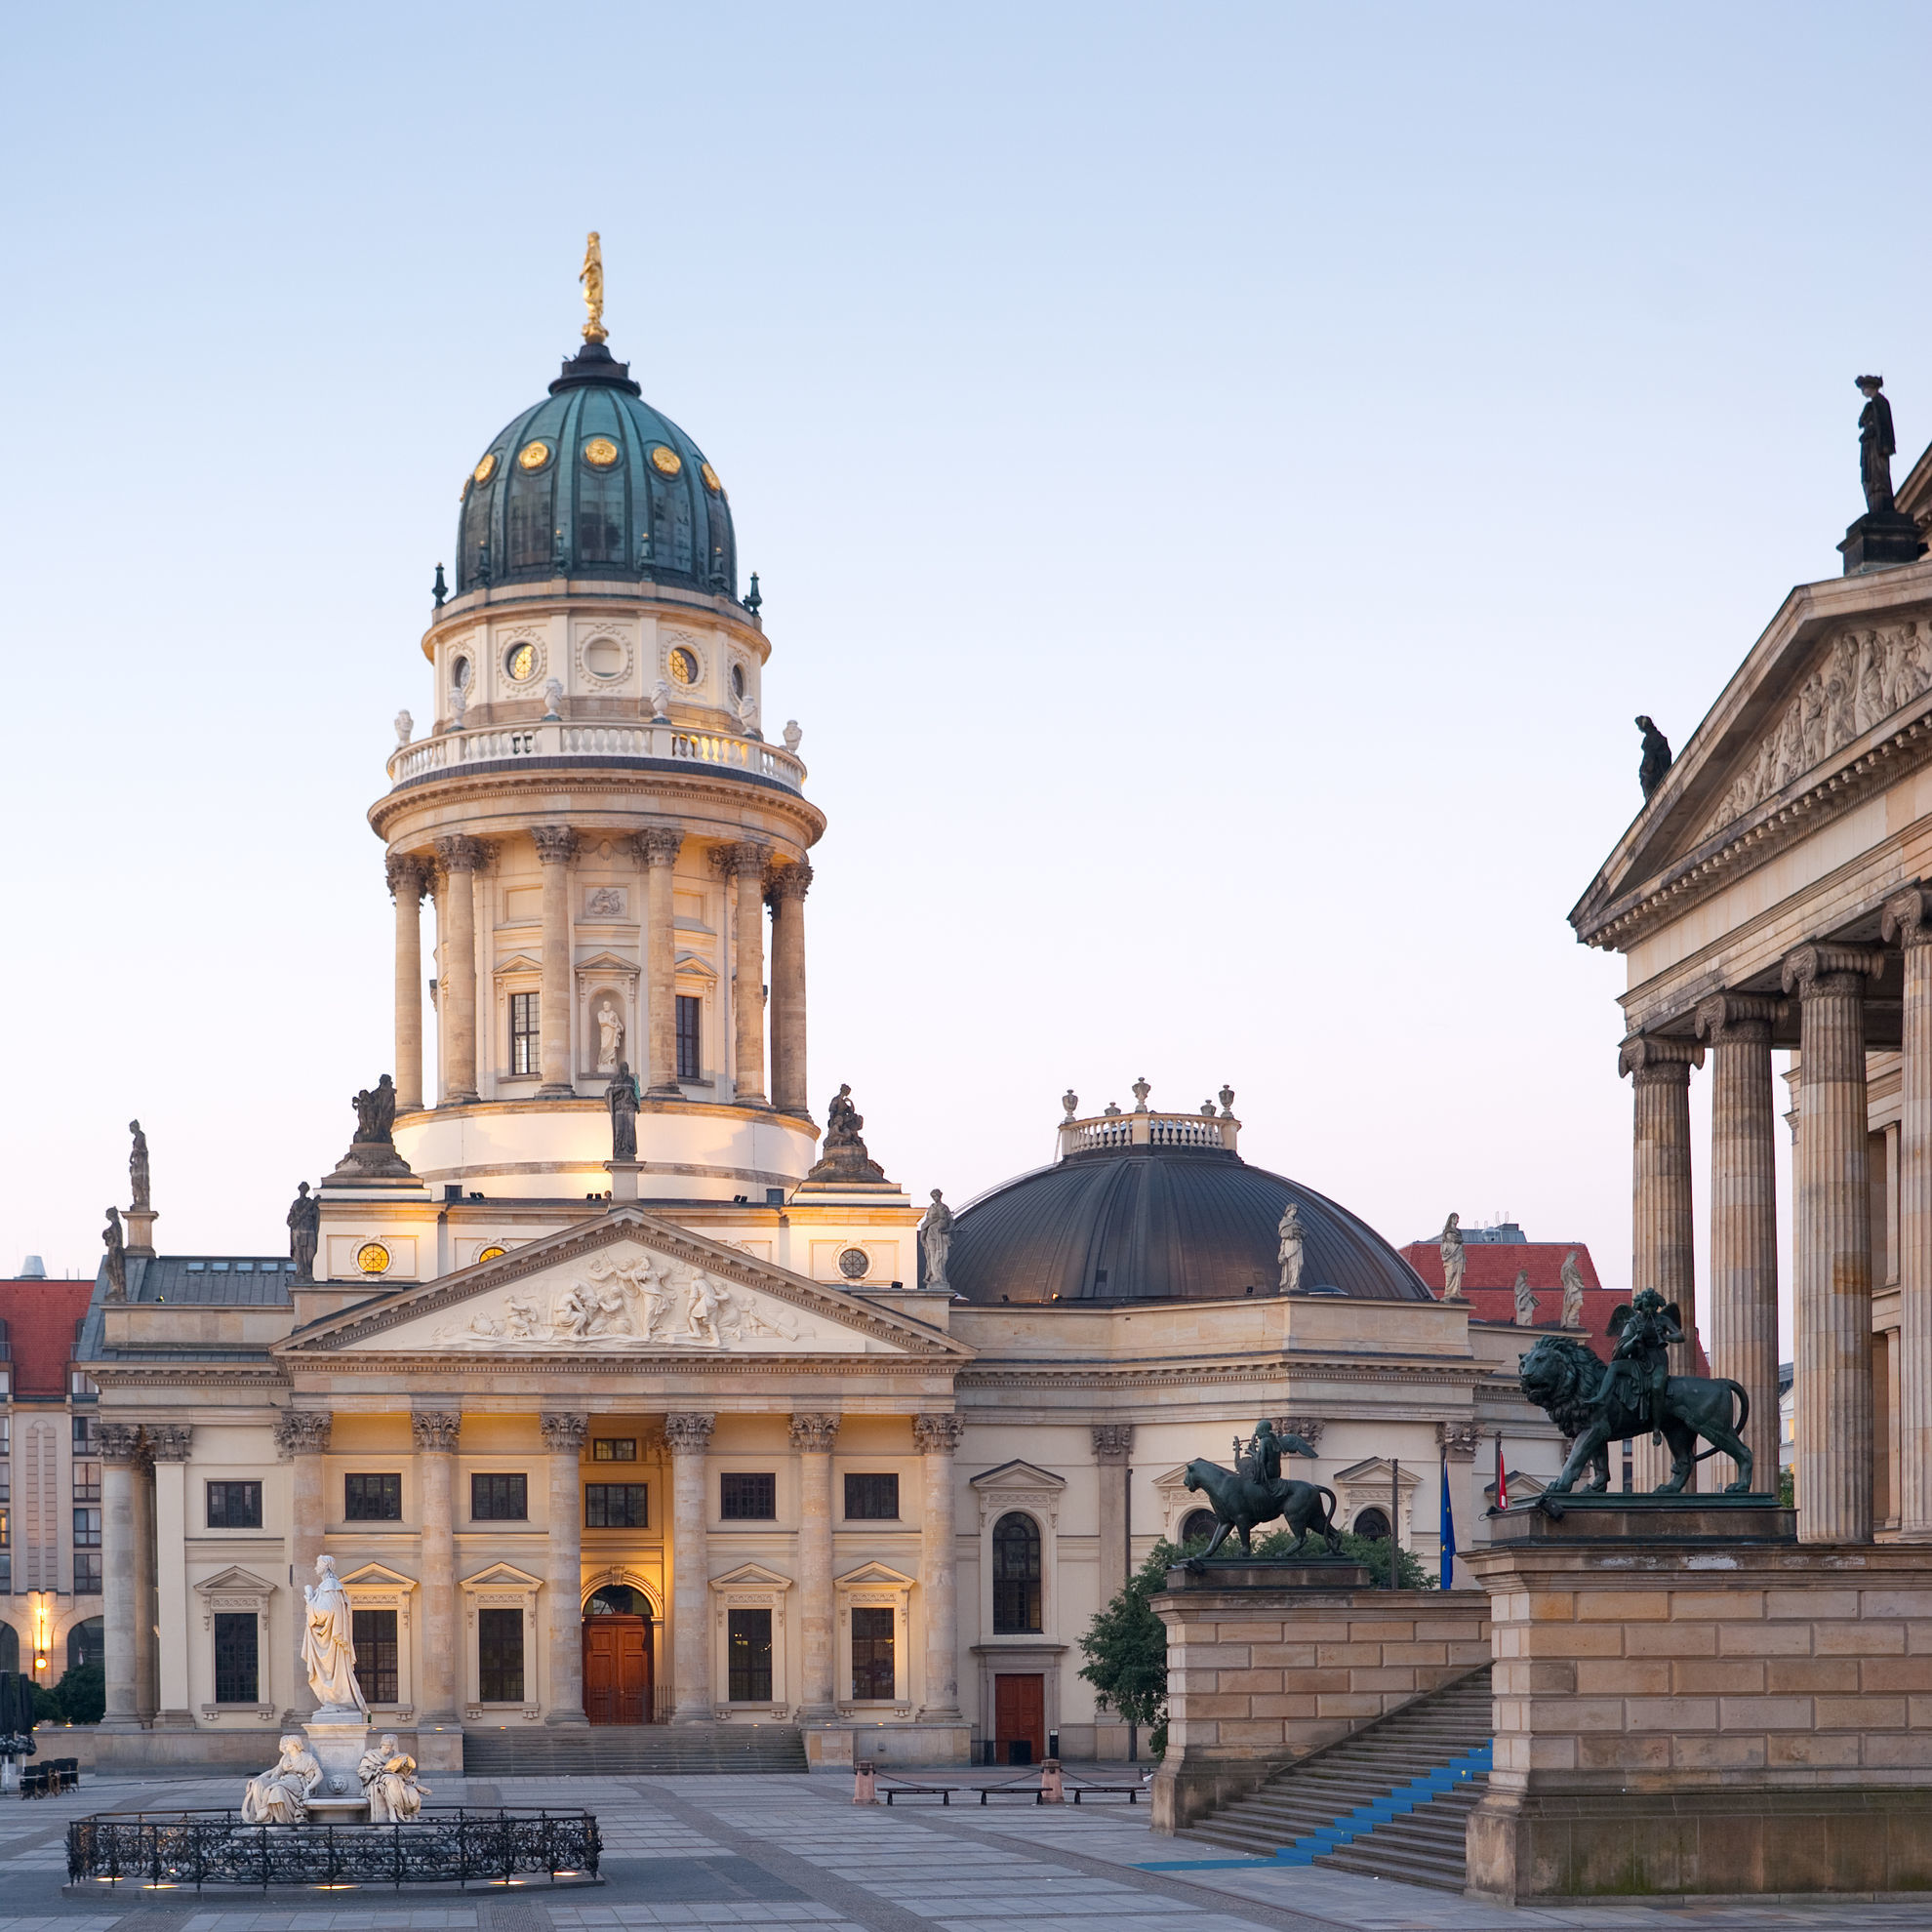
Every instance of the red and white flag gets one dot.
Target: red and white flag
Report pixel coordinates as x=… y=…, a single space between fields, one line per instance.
x=1502 y=1484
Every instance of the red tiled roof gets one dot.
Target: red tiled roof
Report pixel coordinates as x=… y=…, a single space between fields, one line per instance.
x=40 y=1318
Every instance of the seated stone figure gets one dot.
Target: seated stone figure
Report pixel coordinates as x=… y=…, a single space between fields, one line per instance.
x=281 y=1795
x=388 y=1783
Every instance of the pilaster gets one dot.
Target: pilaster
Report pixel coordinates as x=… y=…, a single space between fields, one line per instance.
x=687 y=1437
x=813 y=1437
x=1908 y=924
x=563 y=1444
x=435 y=1432
x=938 y=1436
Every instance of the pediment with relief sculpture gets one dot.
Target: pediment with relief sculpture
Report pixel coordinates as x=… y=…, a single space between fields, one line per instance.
x=624 y=1285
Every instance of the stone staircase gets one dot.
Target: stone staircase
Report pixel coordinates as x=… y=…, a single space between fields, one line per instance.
x=1391 y=1801
x=633 y=1750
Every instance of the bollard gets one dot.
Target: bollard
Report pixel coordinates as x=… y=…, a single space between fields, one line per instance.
x=864 y=1782
x=1051 y=1789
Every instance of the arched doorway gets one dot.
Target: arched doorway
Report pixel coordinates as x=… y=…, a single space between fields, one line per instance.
x=86 y=1643
x=617 y=1655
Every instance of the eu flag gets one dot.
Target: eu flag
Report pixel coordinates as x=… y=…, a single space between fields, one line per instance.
x=1448 y=1531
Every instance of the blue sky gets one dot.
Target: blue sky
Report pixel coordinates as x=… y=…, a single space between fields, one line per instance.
x=1223 y=479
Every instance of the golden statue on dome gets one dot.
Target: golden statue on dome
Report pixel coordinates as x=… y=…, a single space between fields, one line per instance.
x=592 y=275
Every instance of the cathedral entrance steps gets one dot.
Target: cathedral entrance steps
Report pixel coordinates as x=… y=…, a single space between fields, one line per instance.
x=1392 y=1801
x=637 y=1751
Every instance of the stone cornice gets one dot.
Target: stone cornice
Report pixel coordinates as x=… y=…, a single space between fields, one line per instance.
x=425 y=1370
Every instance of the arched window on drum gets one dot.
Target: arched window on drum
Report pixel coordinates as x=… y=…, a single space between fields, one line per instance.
x=1016 y=1575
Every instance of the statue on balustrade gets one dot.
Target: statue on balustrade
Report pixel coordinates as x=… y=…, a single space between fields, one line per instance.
x=388 y=1782
x=1254 y=1491
x=280 y=1794
x=1635 y=1394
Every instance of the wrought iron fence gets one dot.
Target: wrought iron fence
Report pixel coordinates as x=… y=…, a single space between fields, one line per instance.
x=441 y=1846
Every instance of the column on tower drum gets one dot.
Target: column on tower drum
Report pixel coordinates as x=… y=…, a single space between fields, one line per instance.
x=657 y=847
x=556 y=848
x=743 y=862
x=457 y=994
x=785 y=889
x=407 y=876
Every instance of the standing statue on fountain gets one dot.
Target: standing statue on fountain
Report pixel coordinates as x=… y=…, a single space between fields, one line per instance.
x=328 y=1645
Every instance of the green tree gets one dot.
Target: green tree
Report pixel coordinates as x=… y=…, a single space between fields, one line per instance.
x=1126 y=1649
x=82 y=1694
x=1372 y=1553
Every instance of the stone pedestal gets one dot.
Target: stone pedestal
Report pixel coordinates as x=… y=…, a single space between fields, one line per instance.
x=1268 y=1662
x=624 y=1178
x=338 y=1744
x=141 y=1230
x=1695 y=1714
x=1880 y=539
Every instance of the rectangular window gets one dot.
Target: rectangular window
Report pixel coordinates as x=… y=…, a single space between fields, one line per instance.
x=872 y=1656
x=375 y=1634
x=615 y=1505
x=87 y=1529
x=234 y=1506
x=749 y=1653
x=87 y=1482
x=748 y=1499
x=372 y=1499
x=87 y=1572
x=871 y=1498
x=82 y=1388
x=499 y=1655
x=614 y=1449
x=499 y=1498
x=84 y=1435
x=525 y=1047
x=237 y=1672
x=690 y=1019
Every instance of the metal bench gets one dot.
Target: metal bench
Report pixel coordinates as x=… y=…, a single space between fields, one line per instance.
x=943 y=1792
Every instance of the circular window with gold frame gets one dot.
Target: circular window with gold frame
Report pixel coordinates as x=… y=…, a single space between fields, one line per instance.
x=491 y=1254
x=667 y=463
x=854 y=1263
x=372 y=1258
x=485 y=469
x=533 y=455
x=520 y=663
x=600 y=452
x=710 y=477
x=683 y=665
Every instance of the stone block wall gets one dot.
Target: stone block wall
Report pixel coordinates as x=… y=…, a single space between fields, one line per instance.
x=1707 y=1719
x=1261 y=1670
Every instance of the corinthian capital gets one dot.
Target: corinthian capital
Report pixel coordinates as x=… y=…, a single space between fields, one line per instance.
x=563 y=1435
x=117 y=1442
x=1113 y=1441
x=791 y=881
x=1907 y=917
x=745 y=857
x=1459 y=1438
x=1727 y=1017
x=436 y=1428
x=407 y=875
x=937 y=1436
x=814 y=1435
x=689 y=1435
x=459 y=854
x=1816 y=971
x=170 y=1442
x=1654 y=1060
x=556 y=845
x=302 y=1433
x=658 y=845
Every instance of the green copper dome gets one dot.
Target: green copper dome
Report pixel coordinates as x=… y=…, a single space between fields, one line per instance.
x=594 y=482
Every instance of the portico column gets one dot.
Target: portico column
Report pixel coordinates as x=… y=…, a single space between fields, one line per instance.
x=1831 y=1281
x=1113 y=1443
x=119 y=1445
x=407 y=877
x=1744 y=1220
x=563 y=1439
x=658 y=846
x=455 y=994
x=785 y=888
x=170 y=1445
x=1661 y=1224
x=813 y=1437
x=938 y=1436
x=556 y=847
x=745 y=863
x=435 y=1434
x=691 y=1569
x=1908 y=924
x=301 y=1437
x=146 y=1689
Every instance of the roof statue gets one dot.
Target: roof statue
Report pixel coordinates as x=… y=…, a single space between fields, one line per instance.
x=936 y=1242
x=1290 y=1250
x=138 y=1166
x=1656 y=758
x=592 y=275
x=1878 y=444
x=304 y=1229
x=373 y=1153
x=844 y=1156
x=1453 y=1258
x=117 y=1257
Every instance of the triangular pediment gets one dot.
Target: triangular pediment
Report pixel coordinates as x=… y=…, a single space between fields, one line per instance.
x=750 y=1576
x=626 y=1284
x=234 y=1581
x=873 y=1576
x=502 y=1575
x=1375 y=1472
x=1017 y=1474
x=1832 y=702
x=378 y=1576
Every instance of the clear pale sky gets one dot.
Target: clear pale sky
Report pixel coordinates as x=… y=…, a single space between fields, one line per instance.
x=1222 y=479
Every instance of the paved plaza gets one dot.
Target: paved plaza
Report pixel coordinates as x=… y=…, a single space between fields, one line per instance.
x=779 y=1851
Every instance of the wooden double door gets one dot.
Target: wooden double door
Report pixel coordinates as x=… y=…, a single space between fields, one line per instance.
x=1020 y=1718
x=617 y=1669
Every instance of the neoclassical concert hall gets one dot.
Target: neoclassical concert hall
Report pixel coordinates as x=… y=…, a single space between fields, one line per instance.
x=625 y=1385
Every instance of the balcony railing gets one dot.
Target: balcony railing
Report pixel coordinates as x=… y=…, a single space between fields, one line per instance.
x=1144 y=1128
x=678 y=744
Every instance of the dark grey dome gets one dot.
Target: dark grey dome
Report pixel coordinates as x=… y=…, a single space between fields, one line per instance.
x=1160 y=1224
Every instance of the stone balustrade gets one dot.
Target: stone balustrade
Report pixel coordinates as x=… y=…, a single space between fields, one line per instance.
x=655 y=740
x=1144 y=1129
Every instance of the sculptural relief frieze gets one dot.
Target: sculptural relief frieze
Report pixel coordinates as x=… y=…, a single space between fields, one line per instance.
x=1869 y=674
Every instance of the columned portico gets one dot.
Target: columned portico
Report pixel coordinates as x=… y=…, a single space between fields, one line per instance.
x=556 y=847
x=813 y=1437
x=1662 y=1231
x=406 y=879
x=563 y=1443
x=1908 y=923
x=785 y=889
x=434 y=1433
x=938 y=1436
x=119 y=1446
x=743 y=862
x=687 y=1437
x=657 y=847
x=1832 y=1286
x=1744 y=1217
x=460 y=857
